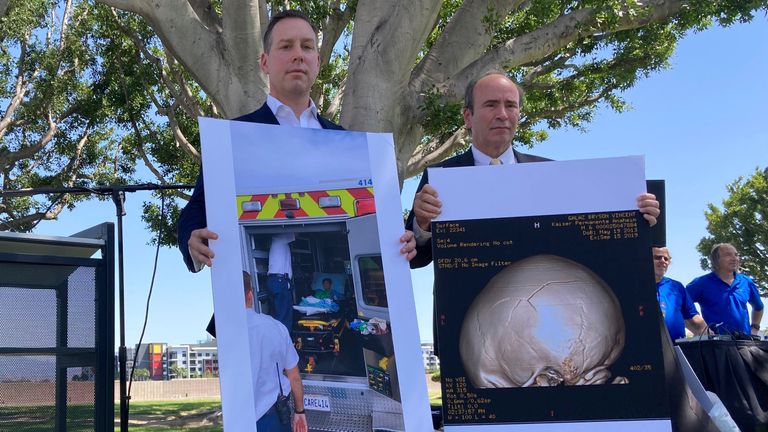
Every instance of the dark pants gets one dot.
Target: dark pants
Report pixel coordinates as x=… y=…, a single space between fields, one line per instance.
x=270 y=422
x=282 y=295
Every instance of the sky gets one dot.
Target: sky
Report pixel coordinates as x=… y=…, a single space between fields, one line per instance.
x=699 y=124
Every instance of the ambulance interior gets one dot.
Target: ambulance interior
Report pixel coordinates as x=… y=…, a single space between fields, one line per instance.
x=319 y=252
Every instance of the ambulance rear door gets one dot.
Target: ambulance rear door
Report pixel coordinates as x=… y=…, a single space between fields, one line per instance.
x=367 y=271
x=371 y=298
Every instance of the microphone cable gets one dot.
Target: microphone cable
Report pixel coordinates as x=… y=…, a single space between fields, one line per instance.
x=149 y=295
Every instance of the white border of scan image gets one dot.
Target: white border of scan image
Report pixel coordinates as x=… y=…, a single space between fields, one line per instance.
x=545 y=188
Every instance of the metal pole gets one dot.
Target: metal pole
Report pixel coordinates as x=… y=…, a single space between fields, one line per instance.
x=118 y=197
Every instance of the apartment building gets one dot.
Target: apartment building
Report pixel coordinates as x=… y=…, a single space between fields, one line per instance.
x=163 y=361
x=431 y=362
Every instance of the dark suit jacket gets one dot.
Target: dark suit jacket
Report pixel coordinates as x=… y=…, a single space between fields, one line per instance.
x=193 y=215
x=424 y=253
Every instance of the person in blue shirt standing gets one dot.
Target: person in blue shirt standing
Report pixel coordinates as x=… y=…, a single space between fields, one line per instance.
x=676 y=307
x=723 y=294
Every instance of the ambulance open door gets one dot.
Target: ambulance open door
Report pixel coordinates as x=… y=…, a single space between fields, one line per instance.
x=371 y=298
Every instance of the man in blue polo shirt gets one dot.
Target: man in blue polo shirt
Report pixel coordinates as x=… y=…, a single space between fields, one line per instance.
x=676 y=307
x=724 y=293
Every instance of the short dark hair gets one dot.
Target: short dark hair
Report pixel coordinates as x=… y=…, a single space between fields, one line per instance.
x=329 y=280
x=290 y=13
x=469 y=91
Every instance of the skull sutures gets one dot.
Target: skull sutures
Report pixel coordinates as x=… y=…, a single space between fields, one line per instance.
x=542 y=321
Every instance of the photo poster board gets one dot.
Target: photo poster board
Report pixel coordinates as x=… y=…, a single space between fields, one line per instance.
x=248 y=159
x=543 y=284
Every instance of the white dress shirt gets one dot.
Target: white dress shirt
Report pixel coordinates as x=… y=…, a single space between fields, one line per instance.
x=286 y=117
x=482 y=159
x=280 y=254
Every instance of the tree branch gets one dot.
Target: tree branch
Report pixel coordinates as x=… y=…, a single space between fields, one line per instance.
x=206 y=14
x=263 y=15
x=556 y=35
x=17 y=223
x=243 y=41
x=560 y=111
x=148 y=163
x=19 y=89
x=178 y=135
x=561 y=62
x=64 y=25
x=189 y=40
x=153 y=168
x=335 y=105
x=419 y=161
x=29 y=151
x=139 y=7
x=242 y=27
x=464 y=39
x=73 y=166
x=141 y=50
x=385 y=34
x=187 y=101
x=3 y=7
x=332 y=28
x=18 y=96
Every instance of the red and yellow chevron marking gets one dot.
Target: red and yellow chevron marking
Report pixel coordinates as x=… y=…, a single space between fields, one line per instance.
x=309 y=204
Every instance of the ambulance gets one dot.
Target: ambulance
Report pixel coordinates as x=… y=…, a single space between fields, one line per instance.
x=350 y=378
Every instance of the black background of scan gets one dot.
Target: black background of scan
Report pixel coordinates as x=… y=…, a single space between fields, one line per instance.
x=624 y=264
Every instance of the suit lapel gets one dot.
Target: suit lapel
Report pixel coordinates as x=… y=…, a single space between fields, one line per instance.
x=466 y=158
x=326 y=124
x=524 y=158
x=262 y=115
x=266 y=116
x=463 y=159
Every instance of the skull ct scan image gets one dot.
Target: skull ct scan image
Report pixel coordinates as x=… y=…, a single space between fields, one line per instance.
x=542 y=321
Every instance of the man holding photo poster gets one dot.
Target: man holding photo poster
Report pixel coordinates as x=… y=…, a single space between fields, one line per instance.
x=492 y=106
x=506 y=333
x=292 y=61
x=296 y=160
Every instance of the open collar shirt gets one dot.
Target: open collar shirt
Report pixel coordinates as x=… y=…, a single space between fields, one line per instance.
x=286 y=117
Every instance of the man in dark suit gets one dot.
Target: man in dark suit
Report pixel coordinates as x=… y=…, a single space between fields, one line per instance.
x=291 y=60
x=491 y=113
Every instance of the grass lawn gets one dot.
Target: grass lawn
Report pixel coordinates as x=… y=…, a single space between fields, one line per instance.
x=144 y=417
x=151 y=416
x=43 y=418
x=171 y=416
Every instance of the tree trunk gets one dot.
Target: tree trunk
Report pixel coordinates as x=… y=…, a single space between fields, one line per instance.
x=383 y=91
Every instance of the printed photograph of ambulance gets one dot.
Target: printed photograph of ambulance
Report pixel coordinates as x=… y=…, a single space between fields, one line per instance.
x=317 y=260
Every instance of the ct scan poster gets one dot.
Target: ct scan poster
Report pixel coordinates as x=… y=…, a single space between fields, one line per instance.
x=309 y=220
x=548 y=320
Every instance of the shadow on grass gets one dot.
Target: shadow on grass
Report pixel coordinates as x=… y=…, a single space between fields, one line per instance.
x=43 y=418
x=196 y=415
